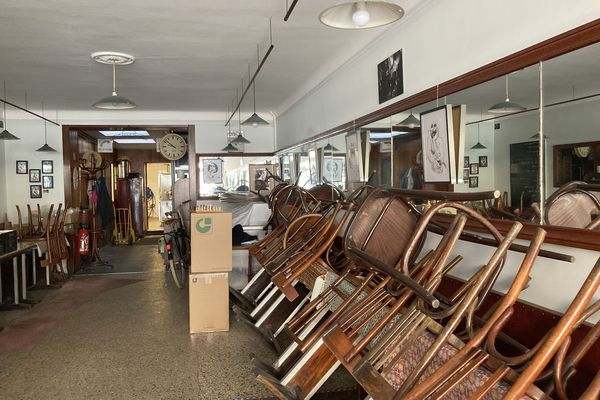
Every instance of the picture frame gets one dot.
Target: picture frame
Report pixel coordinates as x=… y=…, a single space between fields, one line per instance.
x=258 y=177
x=21 y=167
x=390 y=77
x=105 y=145
x=212 y=171
x=354 y=159
x=474 y=169
x=48 y=182
x=332 y=168
x=437 y=141
x=313 y=167
x=473 y=181
x=466 y=175
x=47 y=167
x=466 y=163
x=35 y=176
x=35 y=191
x=483 y=161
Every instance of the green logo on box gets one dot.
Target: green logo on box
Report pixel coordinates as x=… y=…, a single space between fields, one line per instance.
x=204 y=225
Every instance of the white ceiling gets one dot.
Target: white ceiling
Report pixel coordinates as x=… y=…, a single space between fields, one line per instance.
x=191 y=55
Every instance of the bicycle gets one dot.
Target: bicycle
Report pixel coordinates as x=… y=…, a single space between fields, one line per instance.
x=175 y=247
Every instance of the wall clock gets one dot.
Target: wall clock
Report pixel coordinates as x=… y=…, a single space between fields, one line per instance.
x=172 y=146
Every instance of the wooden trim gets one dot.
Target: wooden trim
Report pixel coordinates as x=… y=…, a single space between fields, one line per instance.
x=560 y=235
x=573 y=39
x=193 y=165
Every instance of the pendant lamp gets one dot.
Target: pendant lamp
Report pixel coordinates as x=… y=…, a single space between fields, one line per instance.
x=479 y=146
x=5 y=134
x=330 y=148
x=45 y=148
x=506 y=106
x=361 y=14
x=240 y=139
x=255 y=120
x=114 y=101
x=410 y=122
x=229 y=148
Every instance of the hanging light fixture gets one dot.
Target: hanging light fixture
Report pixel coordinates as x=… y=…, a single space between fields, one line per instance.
x=240 y=139
x=45 y=148
x=479 y=146
x=361 y=14
x=506 y=106
x=114 y=101
x=230 y=147
x=255 y=120
x=5 y=134
x=410 y=122
x=330 y=148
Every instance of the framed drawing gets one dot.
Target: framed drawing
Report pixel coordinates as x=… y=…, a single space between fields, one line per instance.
x=466 y=162
x=390 y=77
x=48 y=182
x=332 y=168
x=259 y=174
x=474 y=169
x=466 y=175
x=438 y=145
x=47 y=167
x=354 y=163
x=22 y=168
x=34 y=176
x=473 y=181
x=212 y=171
x=483 y=161
x=35 y=191
x=314 y=168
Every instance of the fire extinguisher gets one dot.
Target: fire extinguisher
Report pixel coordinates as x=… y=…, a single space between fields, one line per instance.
x=83 y=237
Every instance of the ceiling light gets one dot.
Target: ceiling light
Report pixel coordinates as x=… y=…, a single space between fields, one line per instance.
x=255 y=120
x=124 y=133
x=478 y=145
x=229 y=148
x=45 y=148
x=114 y=101
x=386 y=135
x=134 y=141
x=506 y=106
x=240 y=139
x=361 y=14
x=5 y=134
x=330 y=148
x=410 y=122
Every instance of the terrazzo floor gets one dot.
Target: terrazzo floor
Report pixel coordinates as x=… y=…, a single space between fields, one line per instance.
x=132 y=342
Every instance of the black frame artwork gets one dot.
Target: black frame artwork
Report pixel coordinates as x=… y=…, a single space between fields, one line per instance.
x=437 y=145
x=35 y=175
x=465 y=174
x=473 y=181
x=48 y=182
x=21 y=163
x=390 y=77
x=47 y=167
x=483 y=162
x=35 y=191
x=466 y=162
x=474 y=168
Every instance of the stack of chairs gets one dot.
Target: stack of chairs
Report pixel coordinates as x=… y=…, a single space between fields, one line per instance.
x=375 y=307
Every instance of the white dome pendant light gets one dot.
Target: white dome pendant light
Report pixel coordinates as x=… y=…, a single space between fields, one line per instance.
x=114 y=101
x=361 y=14
x=506 y=106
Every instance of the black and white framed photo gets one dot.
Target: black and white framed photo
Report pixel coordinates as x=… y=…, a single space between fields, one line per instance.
x=35 y=176
x=390 y=77
x=466 y=162
x=35 y=191
x=473 y=181
x=333 y=168
x=437 y=134
x=47 y=167
x=466 y=175
x=354 y=163
x=48 y=182
x=474 y=169
x=22 y=168
x=483 y=161
x=212 y=171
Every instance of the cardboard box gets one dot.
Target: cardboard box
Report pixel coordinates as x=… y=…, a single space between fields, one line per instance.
x=211 y=242
x=209 y=302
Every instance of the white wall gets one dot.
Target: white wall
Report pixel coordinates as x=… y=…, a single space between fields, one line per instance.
x=441 y=40
x=486 y=174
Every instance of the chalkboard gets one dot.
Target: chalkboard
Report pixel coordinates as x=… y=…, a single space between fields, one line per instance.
x=524 y=173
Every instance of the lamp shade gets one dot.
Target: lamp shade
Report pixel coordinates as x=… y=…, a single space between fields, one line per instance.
x=239 y=139
x=115 y=102
x=478 y=146
x=411 y=122
x=506 y=107
x=47 y=149
x=361 y=14
x=255 y=120
x=6 y=135
x=229 y=148
x=330 y=148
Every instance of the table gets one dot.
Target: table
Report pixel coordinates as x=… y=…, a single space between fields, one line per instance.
x=22 y=249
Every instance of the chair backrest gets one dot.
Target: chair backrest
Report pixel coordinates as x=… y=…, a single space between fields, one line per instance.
x=572 y=205
x=326 y=192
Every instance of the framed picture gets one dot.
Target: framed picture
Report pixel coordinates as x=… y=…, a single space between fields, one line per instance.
x=333 y=169
x=259 y=174
x=473 y=181
x=390 y=77
x=48 y=182
x=35 y=176
x=35 y=191
x=466 y=175
x=483 y=161
x=212 y=171
x=313 y=166
x=474 y=169
x=22 y=168
x=47 y=167
x=438 y=145
x=105 y=145
x=466 y=162
x=354 y=159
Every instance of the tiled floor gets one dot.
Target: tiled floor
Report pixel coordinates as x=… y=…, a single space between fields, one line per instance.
x=132 y=342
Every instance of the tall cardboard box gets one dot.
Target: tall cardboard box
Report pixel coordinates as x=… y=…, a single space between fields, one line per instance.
x=209 y=302
x=211 y=242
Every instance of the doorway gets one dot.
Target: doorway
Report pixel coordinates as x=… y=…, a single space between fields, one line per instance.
x=158 y=193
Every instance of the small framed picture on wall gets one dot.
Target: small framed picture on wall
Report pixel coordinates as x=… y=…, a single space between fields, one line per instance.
x=48 y=182
x=22 y=167
x=35 y=191
x=473 y=181
x=474 y=169
x=47 y=167
x=483 y=161
x=466 y=162
x=35 y=176
x=466 y=175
